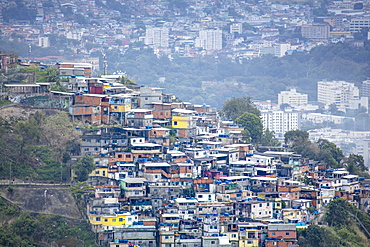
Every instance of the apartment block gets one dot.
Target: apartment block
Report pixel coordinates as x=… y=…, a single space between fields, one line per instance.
x=337 y=92
x=292 y=98
x=281 y=121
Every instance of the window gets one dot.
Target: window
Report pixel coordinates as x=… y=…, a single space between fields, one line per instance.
x=120 y=219
x=120 y=156
x=174 y=122
x=287 y=233
x=213 y=242
x=97 y=218
x=113 y=220
x=273 y=234
x=97 y=172
x=105 y=220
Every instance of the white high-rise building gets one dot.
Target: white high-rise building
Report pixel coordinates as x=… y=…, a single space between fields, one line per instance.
x=292 y=98
x=157 y=37
x=337 y=92
x=280 y=121
x=281 y=49
x=44 y=42
x=236 y=28
x=209 y=39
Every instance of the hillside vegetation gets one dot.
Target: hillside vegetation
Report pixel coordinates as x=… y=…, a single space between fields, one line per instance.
x=36 y=146
x=346 y=226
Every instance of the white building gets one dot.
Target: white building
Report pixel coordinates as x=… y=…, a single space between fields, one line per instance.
x=44 y=42
x=281 y=49
x=365 y=88
x=357 y=24
x=292 y=98
x=236 y=28
x=209 y=39
x=358 y=103
x=157 y=37
x=337 y=92
x=77 y=35
x=319 y=118
x=280 y=121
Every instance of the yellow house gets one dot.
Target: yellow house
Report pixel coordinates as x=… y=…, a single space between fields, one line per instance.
x=99 y=172
x=293 y=215
x=183 y=119
x=248 y=238
x=179 y=122
x=248 y=243
x=233 y=236
x=125 y=219
x=277 y=204
x=119 y=104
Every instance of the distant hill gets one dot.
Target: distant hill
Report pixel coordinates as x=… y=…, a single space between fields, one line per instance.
x=213 y=80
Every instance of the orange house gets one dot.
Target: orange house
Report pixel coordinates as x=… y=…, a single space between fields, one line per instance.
x=281 y=235
x=161 y=111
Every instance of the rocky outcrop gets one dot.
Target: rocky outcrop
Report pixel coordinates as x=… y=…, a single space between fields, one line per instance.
x=43 y=200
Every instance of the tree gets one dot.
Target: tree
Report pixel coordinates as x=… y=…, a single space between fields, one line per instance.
x=235 y=107
x=126 y=81
x=358 y=6
x=48 y=74
x=355 y=164
x=333 y=109
x=293 y=135
x=283 y=106
x=80 y=188
x=246 y=135
x=268 y=139
x=58 y=132
x=253 y=124
x=337 y=213
x=83 y=167
x=314 y=235
x=330 y=153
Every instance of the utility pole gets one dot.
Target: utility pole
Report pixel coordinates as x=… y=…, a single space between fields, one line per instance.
x=104 y=63
x=29 y=52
